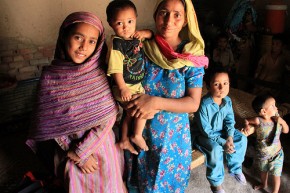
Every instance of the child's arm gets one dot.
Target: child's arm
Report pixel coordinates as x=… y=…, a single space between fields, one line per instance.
x=125 y=93
x=285 y=127
x=143 y=34
x=250 y=124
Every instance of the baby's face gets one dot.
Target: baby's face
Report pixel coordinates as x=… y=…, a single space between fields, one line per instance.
x=220 y=85
x=81 y=42
x=124 y=23
x=270 y=107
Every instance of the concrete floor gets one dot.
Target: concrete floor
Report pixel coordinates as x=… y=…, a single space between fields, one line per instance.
x=16 y=159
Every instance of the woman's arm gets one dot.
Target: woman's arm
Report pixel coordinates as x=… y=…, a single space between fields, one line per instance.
x=143 y=105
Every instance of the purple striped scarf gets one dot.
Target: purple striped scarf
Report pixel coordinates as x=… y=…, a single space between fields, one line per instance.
x=73 y=97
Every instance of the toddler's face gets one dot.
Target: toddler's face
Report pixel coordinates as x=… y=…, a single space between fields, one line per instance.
x=220 y=85
x=222 y=43
x=277 y=46
x=270 y=107
x=124 y=23
x=81 y=42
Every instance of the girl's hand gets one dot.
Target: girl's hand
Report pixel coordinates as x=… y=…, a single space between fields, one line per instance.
x=90 y=165
x=142 y=106
x=73 y=156
x=229 y=146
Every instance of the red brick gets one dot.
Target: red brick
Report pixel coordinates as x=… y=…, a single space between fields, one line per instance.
x=4 y=67
x=28 y=69
x=6 y=53
x=18 y=58
x=7 y=59
x=28 y=57
x=27 y=51
x=38 y=61
x=13 y=72
x=25 y=76
x=18 y=64
x=37 y=55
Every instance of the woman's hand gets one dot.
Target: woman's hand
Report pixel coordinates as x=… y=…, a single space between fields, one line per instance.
x=229 y=146
x=142 y=106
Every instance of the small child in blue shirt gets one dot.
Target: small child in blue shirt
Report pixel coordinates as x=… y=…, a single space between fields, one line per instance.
x=215 y=120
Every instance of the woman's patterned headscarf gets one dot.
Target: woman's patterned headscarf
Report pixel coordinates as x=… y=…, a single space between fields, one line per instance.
x=73 y=97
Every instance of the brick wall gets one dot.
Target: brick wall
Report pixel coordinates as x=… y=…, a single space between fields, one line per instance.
x=22 y=62
x=17 y=105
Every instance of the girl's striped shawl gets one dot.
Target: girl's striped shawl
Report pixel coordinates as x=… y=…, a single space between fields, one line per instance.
x=73 y=97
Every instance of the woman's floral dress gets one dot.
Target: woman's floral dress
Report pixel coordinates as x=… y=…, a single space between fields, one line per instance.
x=166 y=166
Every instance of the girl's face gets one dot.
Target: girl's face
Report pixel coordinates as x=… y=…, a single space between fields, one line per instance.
x=220 y=85
x=124 y=23
x=81 y=42
x=269 y=108
x=170 y=18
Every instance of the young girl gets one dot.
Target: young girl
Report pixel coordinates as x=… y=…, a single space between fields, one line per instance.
x=126 y=65
x=172 y=83
x=215 y=118
x=76 y=109
x=268 y=127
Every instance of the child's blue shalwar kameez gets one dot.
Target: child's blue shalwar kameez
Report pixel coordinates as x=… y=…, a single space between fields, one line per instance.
x=216 y=123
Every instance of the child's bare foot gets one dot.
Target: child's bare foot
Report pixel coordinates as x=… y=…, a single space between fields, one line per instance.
x=125 y=144
x=260 y=186
x=140 y=142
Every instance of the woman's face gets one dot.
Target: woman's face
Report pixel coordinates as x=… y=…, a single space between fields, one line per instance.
x=81 y=42
x=170 y=18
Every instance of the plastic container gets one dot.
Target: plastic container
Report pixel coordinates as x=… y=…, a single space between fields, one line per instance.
x=276 y=12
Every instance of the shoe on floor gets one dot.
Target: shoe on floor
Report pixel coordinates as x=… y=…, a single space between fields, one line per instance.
x=219 y=191
x=240 y=178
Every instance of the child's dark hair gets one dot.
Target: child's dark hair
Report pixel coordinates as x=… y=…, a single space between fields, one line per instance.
x=213 y=71
x=223 y=35
x=279 y=37
x=259 y=102
x=117 y=5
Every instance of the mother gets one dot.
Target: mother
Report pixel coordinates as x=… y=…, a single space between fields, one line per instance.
x=173 y=85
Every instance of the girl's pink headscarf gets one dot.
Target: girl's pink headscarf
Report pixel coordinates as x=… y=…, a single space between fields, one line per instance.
x=73 y=97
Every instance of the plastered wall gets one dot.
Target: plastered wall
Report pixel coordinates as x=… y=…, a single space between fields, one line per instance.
x=37 y=21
